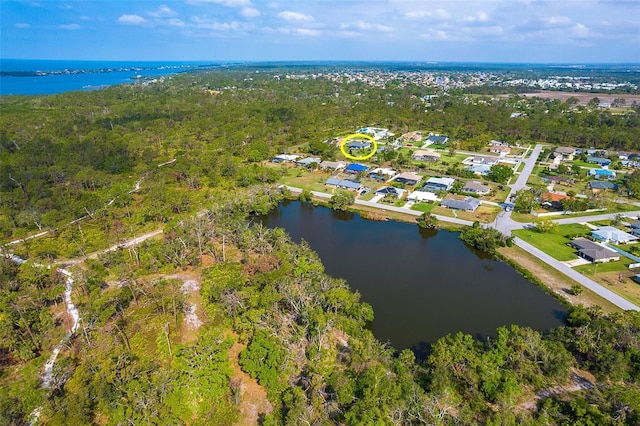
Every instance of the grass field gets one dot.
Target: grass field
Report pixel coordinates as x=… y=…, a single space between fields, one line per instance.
x=616 y=276
x=554 y=243
x=424 y=207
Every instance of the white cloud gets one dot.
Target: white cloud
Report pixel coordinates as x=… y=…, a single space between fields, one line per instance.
x=295 y=16
x=69 y=26
x=250 y=12
x=580 y=30
x=479 y=17
x=421 y=14
x=131 y=19
x=173 y=22
x=228 y=3
x=22 y=25
x=85 y=18
x=210 y=24
x=435 y=35
x=273 y=4
x=163 y=11
x=360 y=25
x=307 y=32
x=558 y=20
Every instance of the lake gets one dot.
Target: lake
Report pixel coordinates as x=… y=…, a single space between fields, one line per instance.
x=422 y=284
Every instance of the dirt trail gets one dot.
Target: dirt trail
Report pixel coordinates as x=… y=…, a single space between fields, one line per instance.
x=253 y=398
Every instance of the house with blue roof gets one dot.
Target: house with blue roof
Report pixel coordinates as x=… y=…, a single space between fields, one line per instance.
x=359 y=145
x=602 y=174
x=335 y=182
x=437 y=139
x=356 y=168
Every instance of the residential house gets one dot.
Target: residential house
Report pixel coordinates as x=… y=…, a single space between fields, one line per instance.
x=423 y=196
x=356 y=168
x=602 y=174
x=475 y=187
x=635 y=228
x=408 y=178
x=603 y=186
x=335 y=182
x=382 y=173
x=480 y=169
x=558 y=179
x=334 y=165
x=359 y=145
x=284 y=158
x=390 y=190
x=500 y=149
x=437 y=139
x=308 y=161
x=411 y=137
x=498 y=143
x=593 y=251
x=552 y=200
x=459 y=202
x=438 y=184
x=602 y=162
x=483 y=159
x=376 y=132
x=613 y=235
x=420 y=155
x=565 y=153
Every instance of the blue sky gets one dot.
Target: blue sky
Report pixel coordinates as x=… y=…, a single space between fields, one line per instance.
x=426 y=30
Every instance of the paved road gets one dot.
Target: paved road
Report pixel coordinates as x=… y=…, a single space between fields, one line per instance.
x=523 y=177
x=577 y=276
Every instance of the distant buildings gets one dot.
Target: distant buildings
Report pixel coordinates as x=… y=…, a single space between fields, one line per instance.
x=376 y=132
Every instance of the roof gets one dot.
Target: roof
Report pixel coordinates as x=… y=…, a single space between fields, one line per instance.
x=391 y=190
x=593 y=250
x=613 y=234
x=286 y=157
x=359 y=144
x=355 y=167
x=475 y=186
x=437 y=138
x=422 y=153
x=482 y=169
x=333 y=164
x=598 y=160
x=460 y=203
x=603 y=185
x=344 y=183
x=483 y=159
x=423 y=196
x=602 y=172
x=500 y=148
x=383 y=171
x=441 y=181
x=565 y=150
x=309 y=160
x=552 y=196
x=409 y=176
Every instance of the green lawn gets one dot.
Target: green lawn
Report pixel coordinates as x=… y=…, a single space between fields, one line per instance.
x=554 y=243
x=424 y=207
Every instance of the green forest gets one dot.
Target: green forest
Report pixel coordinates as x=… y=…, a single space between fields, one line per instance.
x=183 y=160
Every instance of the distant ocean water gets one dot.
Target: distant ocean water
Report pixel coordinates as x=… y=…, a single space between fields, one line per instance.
x=40 y=77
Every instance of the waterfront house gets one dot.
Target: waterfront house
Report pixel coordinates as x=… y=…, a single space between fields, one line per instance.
x=459 y=202
x=475 y=187
x=335 y=182
x=423 y=196
x=390 y=190
x=613 y=235
x=594 y=252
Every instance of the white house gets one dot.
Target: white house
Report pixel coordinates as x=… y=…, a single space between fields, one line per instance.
x=423 y=196
x=613 y=235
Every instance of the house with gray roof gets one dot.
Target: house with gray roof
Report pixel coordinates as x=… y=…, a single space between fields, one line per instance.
x=603 y=186
x=408 y=178
x=437 y=139
x=594 y=252
x=335 y=165
x=475 y=187
x=438 y=184
x=308 y=161
x=335 y=182
x=613 y=235
x=458 y=202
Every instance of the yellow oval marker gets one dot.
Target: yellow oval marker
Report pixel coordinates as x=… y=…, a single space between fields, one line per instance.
x=359 y=136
